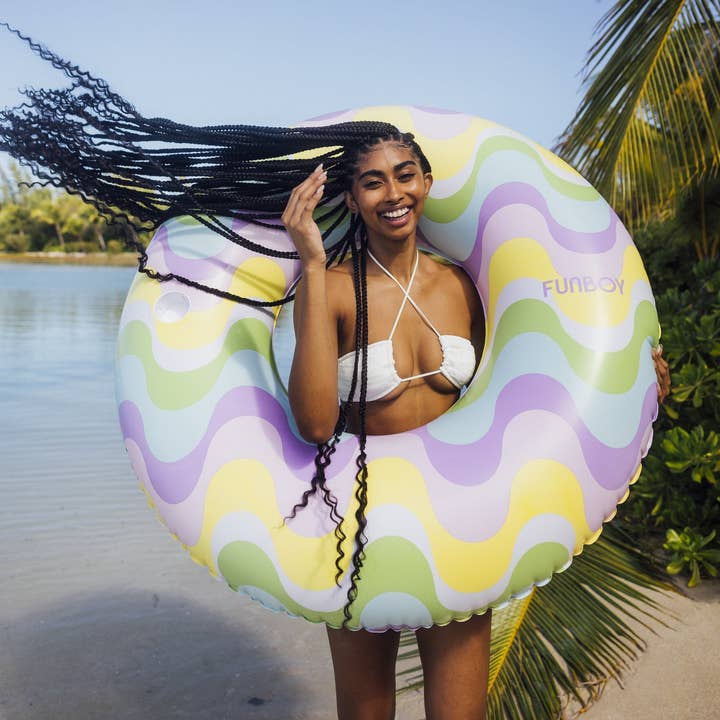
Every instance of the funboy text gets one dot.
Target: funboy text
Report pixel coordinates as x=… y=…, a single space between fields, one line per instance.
x=584 y=284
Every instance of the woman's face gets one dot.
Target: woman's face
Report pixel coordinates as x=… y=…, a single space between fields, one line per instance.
x=389 y=190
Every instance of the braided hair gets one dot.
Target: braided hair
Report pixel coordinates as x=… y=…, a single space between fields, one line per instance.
x=142 y=171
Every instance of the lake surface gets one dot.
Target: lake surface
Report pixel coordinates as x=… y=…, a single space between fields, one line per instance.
x=62 y=461
x=60 y=446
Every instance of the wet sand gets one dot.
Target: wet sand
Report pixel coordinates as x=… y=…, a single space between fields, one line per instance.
x=115 y=634
x=110 y=634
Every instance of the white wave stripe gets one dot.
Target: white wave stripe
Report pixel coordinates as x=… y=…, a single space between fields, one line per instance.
x=242 y=439
x=398 y=521
x=187 y=359
x=469 y=513
x=247 y=527
x=509 y=167
x=444 y=188
x=520 y=221
x=172 y=434
x=474 y=513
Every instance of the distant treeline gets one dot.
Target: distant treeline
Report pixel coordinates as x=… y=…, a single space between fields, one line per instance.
x=44 y=219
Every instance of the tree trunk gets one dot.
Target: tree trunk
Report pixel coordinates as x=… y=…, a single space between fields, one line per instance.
x=100 y=238
x=60 y=236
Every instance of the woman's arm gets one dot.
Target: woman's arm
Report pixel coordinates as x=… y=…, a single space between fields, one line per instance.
x=313 y=378
x=662 y=370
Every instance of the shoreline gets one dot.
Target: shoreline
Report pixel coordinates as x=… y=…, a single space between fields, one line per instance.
x=124 y=259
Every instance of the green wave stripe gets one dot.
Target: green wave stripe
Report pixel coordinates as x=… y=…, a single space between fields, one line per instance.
x=534 y=566
x=392 y=564
x=610 y=372
x=171 y=390
x=445 y=210
x=244 y=563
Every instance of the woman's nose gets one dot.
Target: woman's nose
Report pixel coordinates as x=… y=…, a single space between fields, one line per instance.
x=394 y=191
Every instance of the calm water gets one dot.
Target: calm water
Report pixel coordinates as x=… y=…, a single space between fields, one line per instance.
x=63 y=469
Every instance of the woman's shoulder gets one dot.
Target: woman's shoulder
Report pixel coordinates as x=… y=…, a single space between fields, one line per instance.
x=444 y=271
x=454 y=282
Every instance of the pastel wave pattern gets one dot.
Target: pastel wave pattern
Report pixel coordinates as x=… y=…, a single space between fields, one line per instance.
x=465 y=513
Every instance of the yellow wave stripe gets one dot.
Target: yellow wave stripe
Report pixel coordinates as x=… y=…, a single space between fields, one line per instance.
x=247 y=486
x=552 y=159
x=451 y=155
x=522 y=258
x=540 y=487
x=257 y=277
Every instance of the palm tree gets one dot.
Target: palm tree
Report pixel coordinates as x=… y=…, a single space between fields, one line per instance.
x=647 y=132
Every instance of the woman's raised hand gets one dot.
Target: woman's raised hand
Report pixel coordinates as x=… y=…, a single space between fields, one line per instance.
x=298 y=217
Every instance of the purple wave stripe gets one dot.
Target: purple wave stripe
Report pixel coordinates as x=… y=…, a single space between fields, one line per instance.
x=174 y=481
x=428 y=123
x=273 y=239
x=518 y=193
x=516 y=221
x=221 y=266
x=327 y=117
x=240 y=439
x=475 y=512
x=611 y=467
x=469 y=513
x=199 y=268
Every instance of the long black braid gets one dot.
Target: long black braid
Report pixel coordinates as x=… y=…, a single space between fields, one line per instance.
x=143 y=171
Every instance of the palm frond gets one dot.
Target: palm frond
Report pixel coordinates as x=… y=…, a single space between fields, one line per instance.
x=647 y=127
x=566 y=639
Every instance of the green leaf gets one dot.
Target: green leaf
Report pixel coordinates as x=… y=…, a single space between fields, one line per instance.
x=646 y=129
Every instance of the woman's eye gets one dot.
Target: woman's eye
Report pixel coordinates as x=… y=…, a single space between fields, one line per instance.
x=407 y=176
x=372 y=184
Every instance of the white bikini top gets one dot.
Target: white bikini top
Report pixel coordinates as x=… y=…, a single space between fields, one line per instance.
x=458 y=355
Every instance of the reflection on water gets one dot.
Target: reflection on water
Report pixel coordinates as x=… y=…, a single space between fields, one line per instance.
x=64 y=474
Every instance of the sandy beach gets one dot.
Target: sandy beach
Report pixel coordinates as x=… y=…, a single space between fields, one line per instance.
x=130 y=636
x=123 y=259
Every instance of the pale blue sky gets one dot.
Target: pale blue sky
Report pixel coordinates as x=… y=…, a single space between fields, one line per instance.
x=275 y=62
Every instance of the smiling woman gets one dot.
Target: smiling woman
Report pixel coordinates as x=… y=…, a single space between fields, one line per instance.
x=432 y=508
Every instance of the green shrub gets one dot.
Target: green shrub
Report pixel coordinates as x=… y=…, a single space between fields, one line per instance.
x=16 y=242
x=690 y=553
x=678 y=487
x=81 y=246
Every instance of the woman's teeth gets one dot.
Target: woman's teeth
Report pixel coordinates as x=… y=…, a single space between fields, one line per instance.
x=396 y=213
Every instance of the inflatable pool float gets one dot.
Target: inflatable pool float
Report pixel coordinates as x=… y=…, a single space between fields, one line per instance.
x=465 y=513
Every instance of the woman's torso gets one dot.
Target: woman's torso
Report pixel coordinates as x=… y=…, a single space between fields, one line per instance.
x=448 y=298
